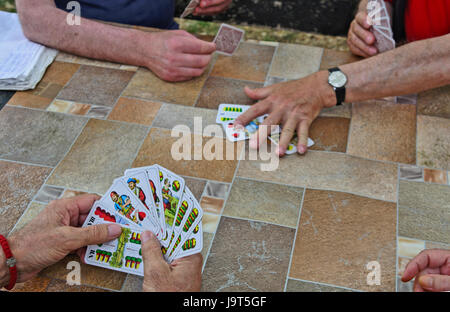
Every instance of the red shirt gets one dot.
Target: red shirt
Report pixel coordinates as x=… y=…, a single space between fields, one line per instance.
x=426 y=19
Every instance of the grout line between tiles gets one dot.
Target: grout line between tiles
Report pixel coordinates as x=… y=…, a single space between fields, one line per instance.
x=25 y=163
x=325 y=284
x=213 y=63
x=349 y=129
x=396 y=231
x=295 y=238
x=254 y=220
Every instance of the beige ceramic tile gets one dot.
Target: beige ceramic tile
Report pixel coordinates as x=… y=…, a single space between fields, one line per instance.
x=435 y=102
x=29 y=100
x=435 y=176
x=302 y=286
x=33 y=210
x=57 y=285
x=210 y=222
x=409 y=248
x=332 y=171
x=207 y=240
x=36 y=284
x=134 y=111
x=332 y=58
x=329 y=134
x=433 y=142
x=339 y=234
x=293 y=61
x=383 y=131
x=211 y=204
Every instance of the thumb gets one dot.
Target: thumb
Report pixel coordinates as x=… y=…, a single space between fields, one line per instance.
x=258 y=94
x=93 y=235
x=435 y=282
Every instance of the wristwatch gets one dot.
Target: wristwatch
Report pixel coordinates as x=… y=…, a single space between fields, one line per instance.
x=337 y=79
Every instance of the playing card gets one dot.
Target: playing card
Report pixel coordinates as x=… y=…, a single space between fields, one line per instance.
x=227 y=113
x=191 y=246
x=138 y=183
x=190 y=8
x=383 y=43
x=172 y=188
x=238 y=133
x=122 y=254
x=292 y=147
x=120 y=200
x=100 y=214
x=228 y=39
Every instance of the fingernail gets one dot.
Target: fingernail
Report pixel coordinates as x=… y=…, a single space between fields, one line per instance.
x=280 y=151
x=426 y=281
x=302 y=149
x=114 y=230
x=146 y=236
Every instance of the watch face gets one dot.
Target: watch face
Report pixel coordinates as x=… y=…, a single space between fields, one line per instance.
x=337 y=79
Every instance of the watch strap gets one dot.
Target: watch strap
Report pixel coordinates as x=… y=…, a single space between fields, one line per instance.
x=340 y=92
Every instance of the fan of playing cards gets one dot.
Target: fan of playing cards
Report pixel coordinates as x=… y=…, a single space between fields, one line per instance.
x=149 y=198
x=226 y=115
x=381 y=15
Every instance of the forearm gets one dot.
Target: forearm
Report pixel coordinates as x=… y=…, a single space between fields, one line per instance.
x=412 y=68
x=90 y=39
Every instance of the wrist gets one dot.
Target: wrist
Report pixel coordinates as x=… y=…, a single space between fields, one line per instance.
x=326 y=92
x=145 y=43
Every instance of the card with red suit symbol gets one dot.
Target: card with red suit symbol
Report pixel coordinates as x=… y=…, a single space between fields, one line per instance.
x=228 y=39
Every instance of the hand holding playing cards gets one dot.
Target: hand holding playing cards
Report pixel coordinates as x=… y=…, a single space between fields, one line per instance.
x=431 y=268
x=294 y=105
x=211 y=7
x=183 y=274
x=360 y=40
x=55 y=233
x=177 y=55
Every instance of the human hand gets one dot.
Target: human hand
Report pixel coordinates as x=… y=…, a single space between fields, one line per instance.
x=184 y=274
x=55 y=233
x=360 y=40
x=431 y=268
x=177 y=55
x=211 y=7
x=293 y=104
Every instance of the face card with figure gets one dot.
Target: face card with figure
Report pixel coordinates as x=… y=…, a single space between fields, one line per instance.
x=172 y=189
x=120 y=200
x=190 y=8
x=122 y=254
x=228 y=39
x=192 y=245
x=139 y=185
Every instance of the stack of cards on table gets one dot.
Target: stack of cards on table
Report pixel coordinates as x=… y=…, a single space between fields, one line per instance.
x=149 y=198
x=381 y=15
x=226 y=115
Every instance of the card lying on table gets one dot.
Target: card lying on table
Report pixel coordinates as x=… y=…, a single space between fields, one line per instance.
x=150 y=198
x=228 y=39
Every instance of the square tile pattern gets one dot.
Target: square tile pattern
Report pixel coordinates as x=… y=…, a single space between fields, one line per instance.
x=313 y=224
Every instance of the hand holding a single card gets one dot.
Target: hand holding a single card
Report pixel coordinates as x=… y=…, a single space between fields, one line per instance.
x=177 y=55
x=293 y=104
x=55 y=233
x=183 y=274
x=360 y=40
x=431 y=268
x=211 y=7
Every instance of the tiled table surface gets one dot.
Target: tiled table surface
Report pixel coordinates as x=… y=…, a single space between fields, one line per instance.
x=375 y=187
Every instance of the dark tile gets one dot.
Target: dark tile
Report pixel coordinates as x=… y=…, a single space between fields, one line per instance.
x=329 y=134
x=4 y=97
x=411 y=173
x=257 y=263
x=37 y=137
x=435 y=102
x=196 y=186
x=219 y=90
x=96 y=85
x=216 y=189
x=48 y=193
x=19 y=183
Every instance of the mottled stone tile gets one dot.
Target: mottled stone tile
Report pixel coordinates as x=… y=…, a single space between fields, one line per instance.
x=99 y=112
x=407 y=99
x=401 y=266
x=96 y=85
x=250 y=62
x=37 y=137
x=133 y=283
x=59 y=106
x=79 y=109
x=435 y=102
x=102 y=152
x=57 y=285
x=412 y=173
x=60 y=73
x=196 y=119
x=90 y=275
x=207 y=240
x=423 y=211
x=274 y=80
x=219 y=90
x=145 y=85
x=70 y=58
x=339 y=234
x=32 y=212
x=334 y=171
x=293 y=61
x=157 y=149
x=210 y=222
x=216 y=189
x=196 y=186
x=332 y=58
x=409 y=248
x=435 y=176
x=36 y=284
x=29 y=100
x=257 y=263
x=303 y=286
x=383 y=131
x=48 y=193
x=344 y=111
x=263 y=201
x=135 y=111
x=329 y=134
x=433 y=245
x=71 y=193
x=211 y=204
x=19 y=183
x=404 y=287
x=433 y=142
